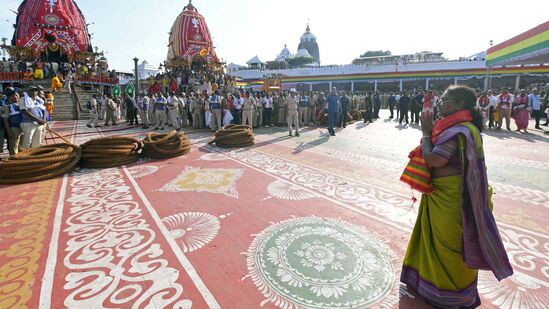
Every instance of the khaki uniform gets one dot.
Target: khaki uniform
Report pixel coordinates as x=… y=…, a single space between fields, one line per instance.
x=247 y=111
x=110 y=108
x=198 y=113
x=94 y=113
x=311 y=110
x=292 y=105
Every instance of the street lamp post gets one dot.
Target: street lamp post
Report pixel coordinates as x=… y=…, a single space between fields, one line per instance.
x=135 y=60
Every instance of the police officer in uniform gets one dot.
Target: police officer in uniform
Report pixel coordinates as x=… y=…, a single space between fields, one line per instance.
x=291 y=105
x=33 y=121
x=11 y=121
x=160 y=112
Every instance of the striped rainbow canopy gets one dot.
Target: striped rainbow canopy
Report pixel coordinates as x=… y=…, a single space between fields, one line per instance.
x=190 y=38
x=530 y=47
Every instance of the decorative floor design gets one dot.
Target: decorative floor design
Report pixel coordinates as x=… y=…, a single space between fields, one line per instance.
x=193 y=230
x=321 y=263
x=221 y=181
x=105 y=227
x=287 y=191
x=308 y=222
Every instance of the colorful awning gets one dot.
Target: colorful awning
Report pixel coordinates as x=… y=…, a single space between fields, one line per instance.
x=530 y=47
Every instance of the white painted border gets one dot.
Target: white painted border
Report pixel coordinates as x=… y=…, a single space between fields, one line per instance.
x=204 y=291
x=51 y=262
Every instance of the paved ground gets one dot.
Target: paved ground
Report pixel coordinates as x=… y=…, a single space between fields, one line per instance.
x=314 y=221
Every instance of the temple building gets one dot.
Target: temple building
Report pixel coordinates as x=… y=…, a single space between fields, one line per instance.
x=308 y=43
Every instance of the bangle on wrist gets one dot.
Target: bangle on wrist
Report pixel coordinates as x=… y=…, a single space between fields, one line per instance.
x=426 y=136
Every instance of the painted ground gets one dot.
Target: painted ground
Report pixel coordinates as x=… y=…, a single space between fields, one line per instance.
x=314 y=222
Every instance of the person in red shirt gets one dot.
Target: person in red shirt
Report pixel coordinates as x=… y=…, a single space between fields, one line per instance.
x=483 y=104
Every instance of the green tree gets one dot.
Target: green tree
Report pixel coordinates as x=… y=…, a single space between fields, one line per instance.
x=376 y=53
x=299 y=62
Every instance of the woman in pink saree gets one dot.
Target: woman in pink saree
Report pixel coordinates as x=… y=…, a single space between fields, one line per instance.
x=521 y=112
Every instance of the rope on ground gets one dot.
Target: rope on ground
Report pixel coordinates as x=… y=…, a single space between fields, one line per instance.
x=40 y=163
x=110 y=152
x=234 y=136
x=164 y=146
x=355 y=114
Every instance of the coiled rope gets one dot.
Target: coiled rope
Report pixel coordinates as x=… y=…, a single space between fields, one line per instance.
x=356 y=115
x=234 y=136
x=164 y=146
x=40 y=163
x=110 y=152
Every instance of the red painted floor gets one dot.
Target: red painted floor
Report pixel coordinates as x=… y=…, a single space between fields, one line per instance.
x=313 y=222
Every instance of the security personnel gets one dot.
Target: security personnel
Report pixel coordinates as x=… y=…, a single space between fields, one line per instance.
x=292 y=106
x=110 y=108
x=93 y=108
x=198 y=111
x=11 y=121
x=303 y=109
x=215 y=107
x=143 y=105
x=33 y=119
x=160 y=111
x=248 y=109
x=173 y=110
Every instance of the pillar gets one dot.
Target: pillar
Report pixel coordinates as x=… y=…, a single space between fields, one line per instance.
x=331 y=84
x=485 y=83
x=517 y=83
x=455 y=80
x=352 y=86
x=401 y=84
x=135 y=60
x=311 y=87
x=375 y=85
x=427 y=84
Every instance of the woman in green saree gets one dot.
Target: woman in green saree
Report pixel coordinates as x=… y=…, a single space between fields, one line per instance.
x=455 y=234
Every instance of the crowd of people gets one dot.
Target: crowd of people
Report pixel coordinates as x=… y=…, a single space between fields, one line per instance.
x=24 y=118
x=24 y=114
x=40 y=70
x=214 y=109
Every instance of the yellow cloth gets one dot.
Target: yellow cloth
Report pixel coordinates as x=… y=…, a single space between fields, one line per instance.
x=56 y=83
x=435 y=249
x=38 y=74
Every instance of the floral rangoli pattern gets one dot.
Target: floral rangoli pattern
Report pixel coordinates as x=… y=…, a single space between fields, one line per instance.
x=322 y=263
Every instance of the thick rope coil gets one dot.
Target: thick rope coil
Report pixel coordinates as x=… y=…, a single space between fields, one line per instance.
x=110 y=152
x=234 y=136
x=355 y=114
x=164 y=146
x=40 y=163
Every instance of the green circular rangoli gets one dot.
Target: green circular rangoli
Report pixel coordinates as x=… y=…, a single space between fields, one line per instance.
x=320 y=263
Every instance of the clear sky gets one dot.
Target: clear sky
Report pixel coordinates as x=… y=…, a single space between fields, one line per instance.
x=344 y=28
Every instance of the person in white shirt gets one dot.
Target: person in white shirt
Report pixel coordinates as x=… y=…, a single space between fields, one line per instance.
x=238 y=102
x=94 y=113
x=267 y=110
x=492 y=108
x=33 y=121
x=534 y=103
x=143 y=104
x=173 y=110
